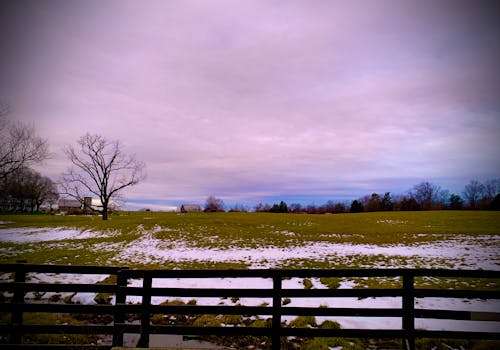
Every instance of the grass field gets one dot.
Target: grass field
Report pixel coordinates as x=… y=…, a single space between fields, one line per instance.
x=345 y=240
x=435 y=239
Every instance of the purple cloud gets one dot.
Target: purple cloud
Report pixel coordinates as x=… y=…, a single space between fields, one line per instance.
x=256 y=98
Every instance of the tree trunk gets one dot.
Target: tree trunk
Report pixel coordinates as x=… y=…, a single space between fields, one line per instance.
x=105 y=211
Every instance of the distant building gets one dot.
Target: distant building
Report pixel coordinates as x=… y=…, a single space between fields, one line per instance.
x=75 y=206
x=70 y=206
x=87 y=205
x=190 y=208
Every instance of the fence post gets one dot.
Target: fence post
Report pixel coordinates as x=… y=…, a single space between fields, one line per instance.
x=409 y=310
x=18 y=298
x=120 y=299
x=147 y=283
x=276 y=324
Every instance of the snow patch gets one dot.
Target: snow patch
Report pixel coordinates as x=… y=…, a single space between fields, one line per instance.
x=34 y=235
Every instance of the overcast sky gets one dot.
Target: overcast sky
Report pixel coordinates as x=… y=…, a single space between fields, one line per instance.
x=263 y=100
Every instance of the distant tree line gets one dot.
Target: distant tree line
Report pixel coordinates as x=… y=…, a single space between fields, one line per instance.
x=423 y=196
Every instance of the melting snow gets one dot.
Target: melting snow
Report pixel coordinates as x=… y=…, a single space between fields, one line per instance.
x=472 y=252
x=33 y=235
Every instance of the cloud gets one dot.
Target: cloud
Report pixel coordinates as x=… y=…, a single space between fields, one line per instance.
x=260 y=98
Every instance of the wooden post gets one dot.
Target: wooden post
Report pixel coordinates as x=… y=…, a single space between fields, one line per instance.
x=18 y=298
x=276 y=324
x=147 y=283
x=408 y=311
x=120 y=299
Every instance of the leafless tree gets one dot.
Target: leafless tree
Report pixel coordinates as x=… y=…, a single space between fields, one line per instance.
x=213 y=204
x=44 y=191
x=19 y=145
x=473 y=193
x=26 y=190
x=491 y=188
x=4 y=109
x=50 y=192
x=428 y=195
x=239 y=208
x=100 y=168
x=294 y=208
x=372 y=203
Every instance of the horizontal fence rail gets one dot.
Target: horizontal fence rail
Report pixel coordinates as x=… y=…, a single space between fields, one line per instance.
x=17 y=281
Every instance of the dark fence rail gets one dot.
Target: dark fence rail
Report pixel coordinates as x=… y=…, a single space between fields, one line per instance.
x=14 y=288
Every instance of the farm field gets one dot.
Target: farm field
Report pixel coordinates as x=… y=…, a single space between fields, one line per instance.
x=433 y=239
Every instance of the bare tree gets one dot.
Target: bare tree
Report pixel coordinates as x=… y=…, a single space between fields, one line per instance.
x=473 y=192
x=213 y=204
x=26 y=190
x=19 y=145
x=239 y=208
x=4 y=109
x=44 y=191
x=491 y=188
x=372 y=203
x=428 y=195
x=294 y=208
x=50 y=193
x=100 y=168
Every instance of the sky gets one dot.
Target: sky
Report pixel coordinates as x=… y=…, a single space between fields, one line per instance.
x=249 y=101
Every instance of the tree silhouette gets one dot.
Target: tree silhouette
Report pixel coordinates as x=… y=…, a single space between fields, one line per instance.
x=100 y=168
x=20 y=147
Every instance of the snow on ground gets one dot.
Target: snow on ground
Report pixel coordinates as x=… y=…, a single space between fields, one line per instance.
x=344 y=302
x=65 y=278
x=478 y=252
x=157 y=250
x=34 y=235
x=483 y=252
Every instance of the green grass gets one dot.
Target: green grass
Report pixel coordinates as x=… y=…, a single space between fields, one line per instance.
x=378 y=227
x=246 y=230
x=257 y=230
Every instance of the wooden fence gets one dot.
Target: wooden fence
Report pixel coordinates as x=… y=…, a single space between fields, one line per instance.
x=13 y=303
